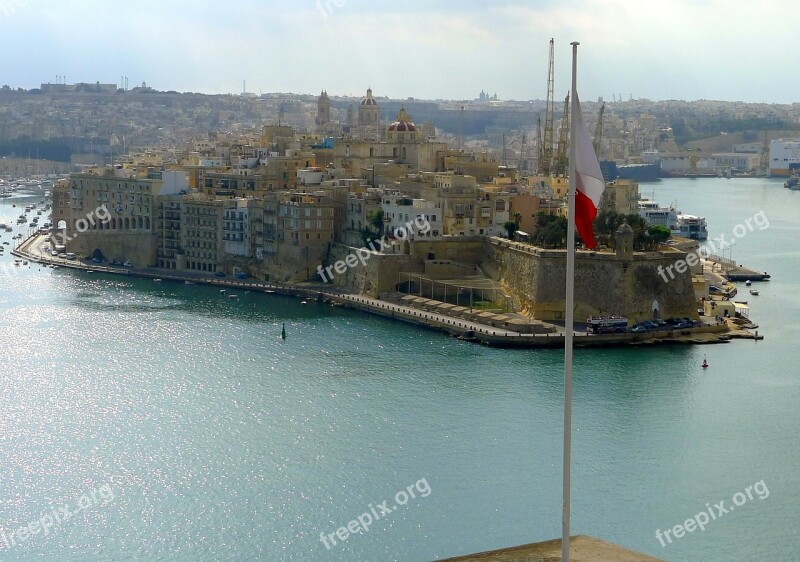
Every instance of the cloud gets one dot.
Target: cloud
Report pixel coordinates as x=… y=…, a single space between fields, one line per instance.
x=672 y=49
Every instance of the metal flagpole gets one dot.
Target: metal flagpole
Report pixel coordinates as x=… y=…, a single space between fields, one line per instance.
x=569 y=317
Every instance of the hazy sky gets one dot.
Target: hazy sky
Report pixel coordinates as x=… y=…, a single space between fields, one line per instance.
x=674 y=49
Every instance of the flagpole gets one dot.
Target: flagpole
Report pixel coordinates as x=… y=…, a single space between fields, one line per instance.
x=569 y=317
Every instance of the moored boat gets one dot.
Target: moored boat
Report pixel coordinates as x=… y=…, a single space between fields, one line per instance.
x=690 y=226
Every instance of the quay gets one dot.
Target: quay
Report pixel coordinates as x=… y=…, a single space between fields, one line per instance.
x=468 y=329
x=732 y=272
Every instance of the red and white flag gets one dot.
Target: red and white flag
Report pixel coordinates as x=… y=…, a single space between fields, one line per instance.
x=589 y=184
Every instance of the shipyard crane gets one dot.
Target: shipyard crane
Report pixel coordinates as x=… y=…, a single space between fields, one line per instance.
x=539 y=144
x=546 y=146
x=764 y=163
x=597 y=141
x=560 y=161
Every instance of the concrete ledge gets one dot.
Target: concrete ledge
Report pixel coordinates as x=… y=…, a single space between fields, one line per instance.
x=582 y=548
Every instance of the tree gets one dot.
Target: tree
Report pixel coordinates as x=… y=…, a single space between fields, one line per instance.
x=554 y=235
x=511 y=228
x=375 y=220
x=658 y=234
x=517 y=219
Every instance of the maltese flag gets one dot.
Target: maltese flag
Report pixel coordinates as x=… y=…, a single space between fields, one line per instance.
x=589 y=184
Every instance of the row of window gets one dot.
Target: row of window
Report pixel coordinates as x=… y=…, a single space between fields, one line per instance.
x=127 y=223
x=201 y=255
x=201 y=234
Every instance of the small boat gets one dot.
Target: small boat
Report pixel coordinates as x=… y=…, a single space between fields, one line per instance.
x=303 y=302
x=754 y=291
x=705 y=363
x=223 y=291
x=748 y=283
x=156 y=280
x=468 y=335
x=233 y=296
x=283 y=331
x=188 y=282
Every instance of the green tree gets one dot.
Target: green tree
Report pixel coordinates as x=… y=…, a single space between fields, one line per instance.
x=511 y=228
x=375 y=220
x=658 y=234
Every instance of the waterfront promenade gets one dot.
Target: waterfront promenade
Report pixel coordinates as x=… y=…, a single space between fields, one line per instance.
x=462 y=328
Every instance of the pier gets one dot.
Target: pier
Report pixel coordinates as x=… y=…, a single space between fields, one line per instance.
x=733 y=272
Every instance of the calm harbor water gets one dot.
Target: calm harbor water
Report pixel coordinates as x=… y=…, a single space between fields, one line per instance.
x=195 y=433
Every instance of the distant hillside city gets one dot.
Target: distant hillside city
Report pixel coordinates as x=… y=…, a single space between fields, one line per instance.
x=74 y=123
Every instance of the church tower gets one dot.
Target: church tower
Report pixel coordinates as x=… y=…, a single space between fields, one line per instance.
x=369 y=117
x=323 y=110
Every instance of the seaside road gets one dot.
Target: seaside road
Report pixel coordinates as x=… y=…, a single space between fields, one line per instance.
x=457 y=324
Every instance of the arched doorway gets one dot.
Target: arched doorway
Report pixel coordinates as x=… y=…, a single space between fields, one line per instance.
x=97 y=254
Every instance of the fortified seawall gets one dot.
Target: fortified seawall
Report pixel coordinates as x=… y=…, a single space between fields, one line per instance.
x=605 y=283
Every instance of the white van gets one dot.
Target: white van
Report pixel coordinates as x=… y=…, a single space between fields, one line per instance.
x=70 y=256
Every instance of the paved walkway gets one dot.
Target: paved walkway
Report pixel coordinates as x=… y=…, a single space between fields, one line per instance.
x=430 y=317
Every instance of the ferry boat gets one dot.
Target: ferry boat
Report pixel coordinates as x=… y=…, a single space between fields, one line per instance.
x=657 y=215
x=690 y=226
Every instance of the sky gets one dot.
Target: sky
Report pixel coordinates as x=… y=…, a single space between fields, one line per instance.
x=727 y=50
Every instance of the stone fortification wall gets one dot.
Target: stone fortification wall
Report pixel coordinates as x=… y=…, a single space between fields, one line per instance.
x=137 y=247
x=375 y=274
x=604 y=283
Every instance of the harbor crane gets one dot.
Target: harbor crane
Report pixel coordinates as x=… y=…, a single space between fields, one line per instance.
x=546 y=146
x=597 y=140
x=560 y=163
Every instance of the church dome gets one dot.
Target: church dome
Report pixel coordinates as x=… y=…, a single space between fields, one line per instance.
x=369 y=100
x=403 y=123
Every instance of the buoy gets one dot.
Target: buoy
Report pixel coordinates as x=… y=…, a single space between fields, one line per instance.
x=283 y=331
